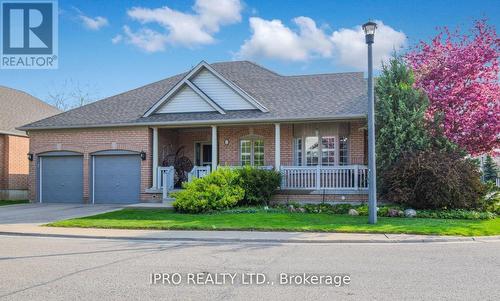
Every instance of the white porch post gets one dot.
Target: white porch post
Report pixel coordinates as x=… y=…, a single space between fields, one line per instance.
x=277 y=146
x=155 y=158
x=214 y=147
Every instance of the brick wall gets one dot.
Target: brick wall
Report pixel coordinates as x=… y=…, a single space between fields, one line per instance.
x=169 y=140
x=305 y=197
x=14 y=165
x=357 y=142
x=3 y=163
x=18 y=164
x=87 y=141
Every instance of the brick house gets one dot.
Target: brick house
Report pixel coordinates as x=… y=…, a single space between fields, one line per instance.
x=121 y=149
x=17 y=108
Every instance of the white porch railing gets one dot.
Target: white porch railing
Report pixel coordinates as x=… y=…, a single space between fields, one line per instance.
x=348 y=177
x=198 y=172
x=165 y=176
x=497 y=182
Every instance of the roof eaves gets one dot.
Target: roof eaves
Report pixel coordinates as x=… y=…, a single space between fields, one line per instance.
x=11 y=133
x=202 y=122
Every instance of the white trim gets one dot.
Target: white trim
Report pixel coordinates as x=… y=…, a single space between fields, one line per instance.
x=40 y=179
x=205 y=97
x=277 y=146
x=214 y=147
x=186 y=80
x=202 y=122
x=10 y=133
x=155 y=157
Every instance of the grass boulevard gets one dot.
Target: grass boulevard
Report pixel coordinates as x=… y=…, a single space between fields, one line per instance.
x=164 y=219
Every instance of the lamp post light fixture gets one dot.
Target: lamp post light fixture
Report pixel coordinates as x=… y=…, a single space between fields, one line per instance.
x=369 y=29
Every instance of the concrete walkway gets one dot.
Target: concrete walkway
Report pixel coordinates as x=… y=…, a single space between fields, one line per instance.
x=230 y=236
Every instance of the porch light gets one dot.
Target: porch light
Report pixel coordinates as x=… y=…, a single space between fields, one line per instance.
x=30 y=156
x=143 y=155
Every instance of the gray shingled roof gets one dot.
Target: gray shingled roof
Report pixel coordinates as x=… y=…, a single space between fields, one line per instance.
x=18 y=108
x=302 y=97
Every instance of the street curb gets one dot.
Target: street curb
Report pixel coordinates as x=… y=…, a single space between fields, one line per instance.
x=258 y=240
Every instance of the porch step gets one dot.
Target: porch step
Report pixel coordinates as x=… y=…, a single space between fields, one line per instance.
x=168 y=202
x=150 y=205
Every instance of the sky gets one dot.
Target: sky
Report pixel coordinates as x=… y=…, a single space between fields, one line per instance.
x=109 y=47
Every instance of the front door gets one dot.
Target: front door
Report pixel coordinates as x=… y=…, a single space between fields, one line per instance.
x=206 y=154
x=203 y=154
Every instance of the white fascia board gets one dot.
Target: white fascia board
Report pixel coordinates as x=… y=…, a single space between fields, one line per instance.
x=208 y=122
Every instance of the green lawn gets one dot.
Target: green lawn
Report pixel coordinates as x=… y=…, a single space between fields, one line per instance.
x=4 y=203
x=267 y=221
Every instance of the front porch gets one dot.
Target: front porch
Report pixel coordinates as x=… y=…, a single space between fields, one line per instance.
x=327 y=157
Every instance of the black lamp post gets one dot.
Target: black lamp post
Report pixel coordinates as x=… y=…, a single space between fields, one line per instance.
x=369 y=29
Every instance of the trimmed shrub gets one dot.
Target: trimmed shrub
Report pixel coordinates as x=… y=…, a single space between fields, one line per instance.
x=455 y=214
x=218 y=190
x=259 y=185
x=434 y=179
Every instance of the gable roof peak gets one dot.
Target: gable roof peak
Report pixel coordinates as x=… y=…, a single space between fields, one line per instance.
x=186 y=81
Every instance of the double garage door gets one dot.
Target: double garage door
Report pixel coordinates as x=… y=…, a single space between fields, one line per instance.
x=114 y=177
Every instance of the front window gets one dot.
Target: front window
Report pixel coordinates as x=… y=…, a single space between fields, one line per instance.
x=246 y=152
x=312 y=151
x=328 y=150
x=325 y=150
x=297 y=149
x=343 y=150
x=258 y=153
x=252 y=152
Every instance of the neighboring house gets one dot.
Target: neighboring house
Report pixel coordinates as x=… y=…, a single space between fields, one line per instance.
x=17 y=108
x=309 y=127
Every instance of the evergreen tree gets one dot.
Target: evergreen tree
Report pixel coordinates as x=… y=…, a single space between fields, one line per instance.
x=400 y=115
x=490 y=169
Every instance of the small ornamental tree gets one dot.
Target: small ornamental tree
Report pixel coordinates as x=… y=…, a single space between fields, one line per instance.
x=400 y=115
x=459 y=73
x=490 y=170
x=435 y=179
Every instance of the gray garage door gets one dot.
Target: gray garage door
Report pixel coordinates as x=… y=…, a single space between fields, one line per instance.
x=61 y=179
x=117 y=178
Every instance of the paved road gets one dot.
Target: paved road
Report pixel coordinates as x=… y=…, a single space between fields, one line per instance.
x=44 y=213
x=35 y=268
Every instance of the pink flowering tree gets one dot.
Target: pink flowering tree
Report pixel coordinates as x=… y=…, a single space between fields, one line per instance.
x=460 y=74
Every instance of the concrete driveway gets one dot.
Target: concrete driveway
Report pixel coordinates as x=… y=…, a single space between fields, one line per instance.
x=35 y=214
